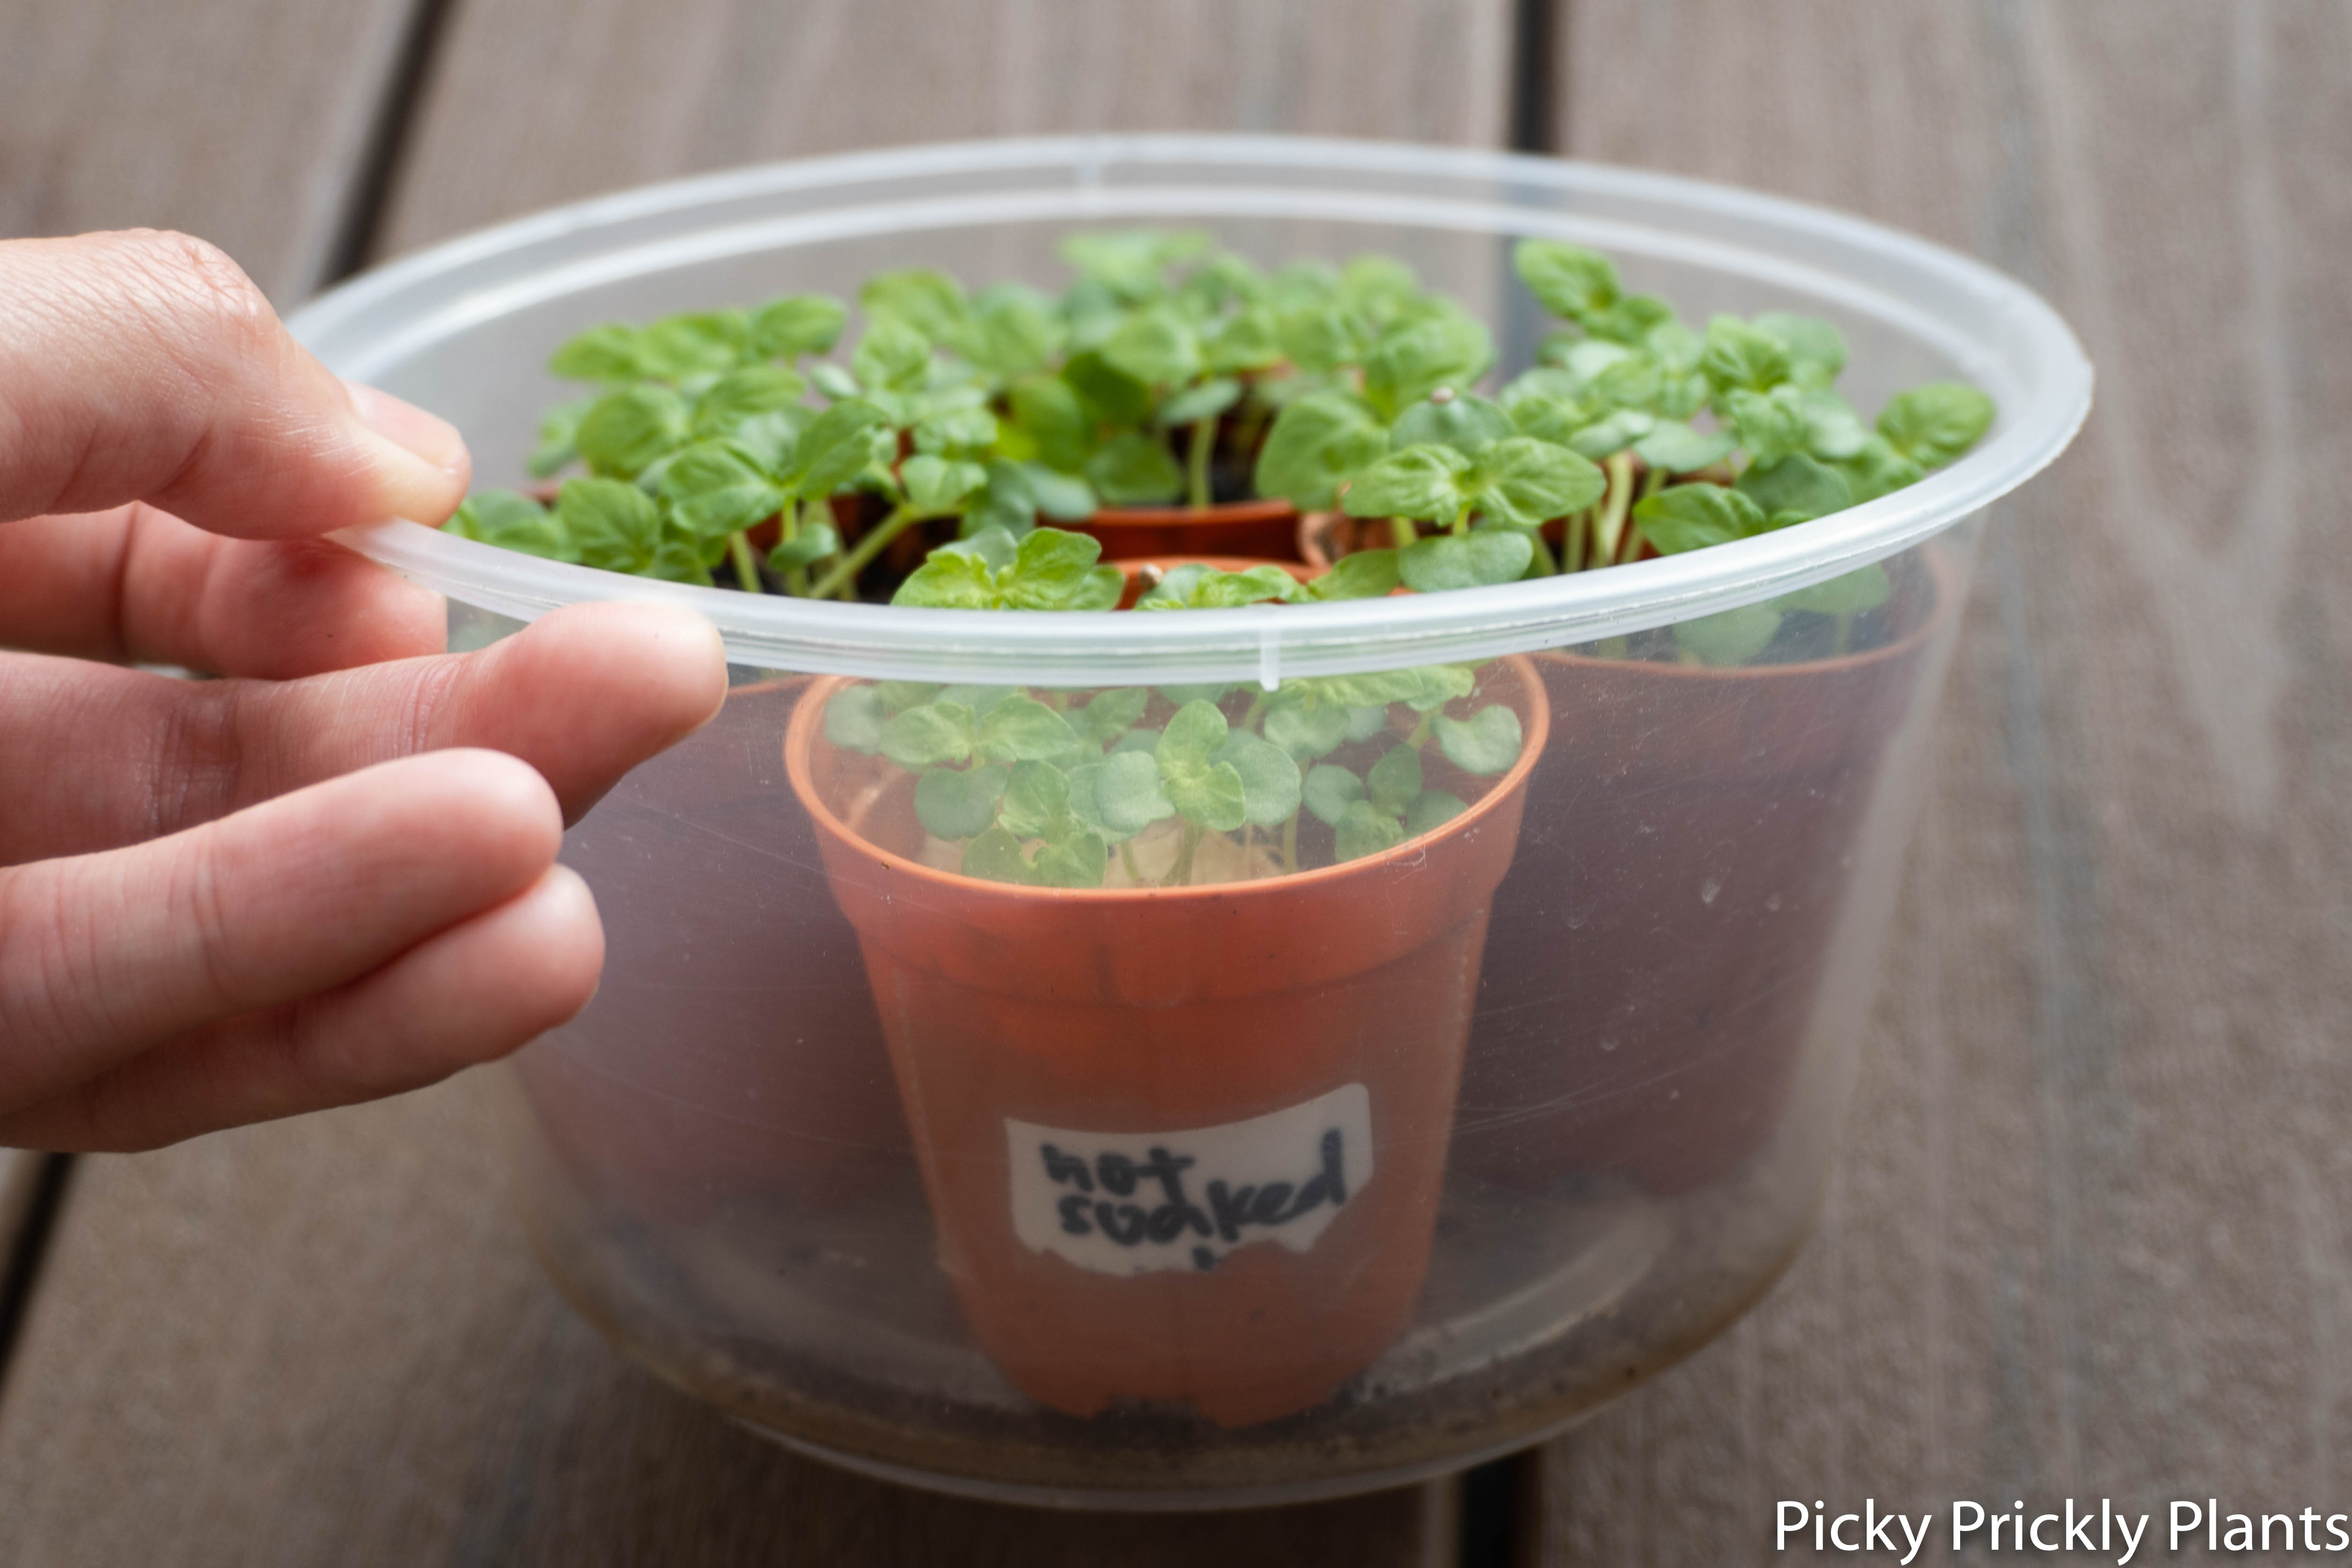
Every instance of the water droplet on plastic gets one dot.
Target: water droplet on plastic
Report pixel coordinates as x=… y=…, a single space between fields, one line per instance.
x=1708 y=890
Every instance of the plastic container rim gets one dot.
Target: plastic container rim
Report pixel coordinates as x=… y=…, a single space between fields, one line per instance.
x=2039 y=376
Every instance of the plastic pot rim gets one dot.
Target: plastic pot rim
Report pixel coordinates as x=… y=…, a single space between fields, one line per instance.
x=807 y=720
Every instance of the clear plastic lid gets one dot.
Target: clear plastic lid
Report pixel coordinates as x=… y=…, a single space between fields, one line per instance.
x=453 y=308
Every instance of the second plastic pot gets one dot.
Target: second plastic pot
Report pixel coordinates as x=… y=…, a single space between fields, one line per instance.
x=1181 y=1145
x=1690 y=847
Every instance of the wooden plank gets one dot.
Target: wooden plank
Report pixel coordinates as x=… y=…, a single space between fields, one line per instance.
x=325 y=1339
x=2089 y=1233
x=245 y=121
x=524 y=112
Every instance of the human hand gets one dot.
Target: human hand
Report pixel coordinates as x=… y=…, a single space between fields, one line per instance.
x=330 y=875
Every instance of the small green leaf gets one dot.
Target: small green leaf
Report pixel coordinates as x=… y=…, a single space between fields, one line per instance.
x=1850 y=594
x=1062 y=497
x=1677 y=448
x=1013 y=330
x=1834 y=431
x=1037 y=797
x=1487 y=743
x=770 y=439
x=1156 y=347
x=1525 y=482
x=956 y=432
x=1315 y=443
x=954 y=803
x=1412 y=361
x=1816 y=350
x=950 y=579
x=814 y=542
x=853 y=719
x=1572 y=281
x=1193 y=737
x=1365 y=829
x=898 y=696
x=935 y=485
x=1049 y=413
x=1426 y=483
x=929 y=735
x=511 y=522
x=1736 y=356
x=1114 y=397
x=1770 y=424
x=1269 y=778
x=700 y=343
x=1934 y=423
x=839 y=445
x=1049 y=567
x=1693 y=516
x=1111 y=713
x=1195 y=587
x=624 y=432
x=1306 y=732
x=713 y=490
x=1125 y=794
x=1732 y=637
x=1366 y=575
x=929 y=303
x=1134 y=470
x=1395 y=779
x=996 y=856
x=1431 y=810
x=1878 y=469
x=1195 y=403
x=1796 y=488
x=1020 y=729
x=1071 y=858
x=1132 y=262
x=1462 y=422
x=559 y=438
x=796 y=325
x=613 y=524
x=606 y=354
x=891 y=354
x=737 y=397
x=1330 y=791
x=832 y=381
x=1213 y=797
x=1606 y=438
x=1466 y=560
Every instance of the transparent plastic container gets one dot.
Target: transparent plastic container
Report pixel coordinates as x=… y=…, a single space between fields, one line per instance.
x=1262 y=1190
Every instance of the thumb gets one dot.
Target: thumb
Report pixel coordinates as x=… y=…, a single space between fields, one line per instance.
x=145 y=366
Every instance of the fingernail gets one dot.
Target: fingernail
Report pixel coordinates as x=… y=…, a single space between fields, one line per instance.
x=409 y=427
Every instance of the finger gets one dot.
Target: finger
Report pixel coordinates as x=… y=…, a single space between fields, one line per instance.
x=470 y=995
x=101 y=956
x=584 y=696
x=146 y=366
x=138 y=584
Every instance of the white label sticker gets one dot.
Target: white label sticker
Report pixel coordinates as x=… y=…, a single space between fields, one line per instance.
x=1133 y=1203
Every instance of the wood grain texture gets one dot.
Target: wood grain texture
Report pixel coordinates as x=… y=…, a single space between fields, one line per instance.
x=2088 y=1234
x=241 y=121
x=533 y=104
x=324 y=1342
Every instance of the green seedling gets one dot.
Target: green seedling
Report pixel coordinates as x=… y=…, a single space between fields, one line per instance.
x=1172 y=786
x=1349 y=387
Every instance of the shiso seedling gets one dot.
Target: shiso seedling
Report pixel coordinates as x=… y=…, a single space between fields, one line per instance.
x=962 y=423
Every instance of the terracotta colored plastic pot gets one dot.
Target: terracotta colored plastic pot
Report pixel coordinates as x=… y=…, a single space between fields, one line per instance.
x=1180 y=1144
x=1256 y=530
x=715 y=1061
x=1688 y=846
x=1138 y=572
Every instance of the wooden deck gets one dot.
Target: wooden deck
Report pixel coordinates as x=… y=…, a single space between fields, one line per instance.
x=2088 y=1234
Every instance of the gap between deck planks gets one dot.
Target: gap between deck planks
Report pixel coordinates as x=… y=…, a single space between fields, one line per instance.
x=2087 y=1237
x=323 y=1339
